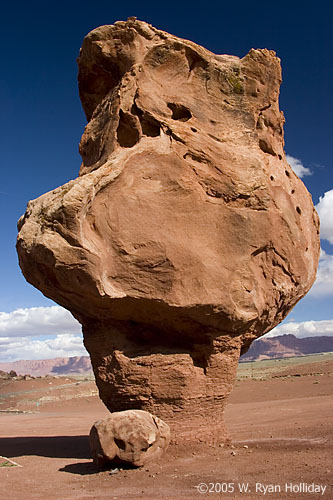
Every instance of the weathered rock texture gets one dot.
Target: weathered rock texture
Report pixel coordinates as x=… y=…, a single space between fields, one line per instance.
x=132 y=437
x=187 y=235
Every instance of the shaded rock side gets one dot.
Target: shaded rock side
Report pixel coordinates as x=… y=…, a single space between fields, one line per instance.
x=187 y=234
x=132 y=437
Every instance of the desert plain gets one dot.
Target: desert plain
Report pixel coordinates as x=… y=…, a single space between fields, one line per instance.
x=279 y=417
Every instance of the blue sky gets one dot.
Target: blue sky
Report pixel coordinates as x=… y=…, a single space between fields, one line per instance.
x=42 y=122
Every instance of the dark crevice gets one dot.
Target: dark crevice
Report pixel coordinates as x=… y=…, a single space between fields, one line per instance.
x=195 y=157
x=149 y=125
x=214 y=193
x=215 y=138
x=120 y=443
x=265 y=107
x=200 y=359
x=135 y=110
x=261 y=249
x=284 y=266
x=174 y=136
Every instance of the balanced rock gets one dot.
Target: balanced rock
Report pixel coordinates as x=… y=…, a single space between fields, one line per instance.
x=132 y=437
x=186 y=235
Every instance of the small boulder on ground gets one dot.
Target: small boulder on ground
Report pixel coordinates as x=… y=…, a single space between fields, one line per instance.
x=131 y=437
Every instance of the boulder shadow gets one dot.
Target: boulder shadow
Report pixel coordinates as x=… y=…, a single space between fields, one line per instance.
x=86 y=468
x=48 y=446
x=81 y=468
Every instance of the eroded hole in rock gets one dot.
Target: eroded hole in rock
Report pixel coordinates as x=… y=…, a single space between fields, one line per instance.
x=127 y=132
x=266 y=147
x=298 y=210
x=195 y=60
x=179 y=112
x=271 y=178
x=287 y=173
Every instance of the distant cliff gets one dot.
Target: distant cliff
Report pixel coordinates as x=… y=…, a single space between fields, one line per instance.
x=287 y=346
x=56 y=366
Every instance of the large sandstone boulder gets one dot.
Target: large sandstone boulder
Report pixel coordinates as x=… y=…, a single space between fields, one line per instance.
x=186 y=235
x=131 y=437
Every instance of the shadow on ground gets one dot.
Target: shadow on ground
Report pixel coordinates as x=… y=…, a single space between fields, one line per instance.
x=82 y=468
x=50 y=446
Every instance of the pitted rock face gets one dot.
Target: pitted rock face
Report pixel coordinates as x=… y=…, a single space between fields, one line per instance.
x=186 y=235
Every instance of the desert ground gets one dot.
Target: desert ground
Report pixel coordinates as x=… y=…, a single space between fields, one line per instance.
x=279 y=417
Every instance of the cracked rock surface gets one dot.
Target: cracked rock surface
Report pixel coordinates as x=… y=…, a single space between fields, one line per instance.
x=186 y=235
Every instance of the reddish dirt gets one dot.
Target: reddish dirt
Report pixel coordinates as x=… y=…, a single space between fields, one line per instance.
x=282 y=430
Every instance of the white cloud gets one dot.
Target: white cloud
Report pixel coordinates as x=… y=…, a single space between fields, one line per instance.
x=298 y=166
x=61 y=346
x=36 y=321
x=304 y=329
x=23 y=332
x=323 y=286
x=325 y=210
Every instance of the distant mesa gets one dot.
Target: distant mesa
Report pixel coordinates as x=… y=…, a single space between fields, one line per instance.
x=76 y=365
x=287 y=346
x=186 y=234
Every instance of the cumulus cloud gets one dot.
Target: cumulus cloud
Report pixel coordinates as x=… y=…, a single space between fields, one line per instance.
x=304 y=329
x=60 y=346
x=39 y=333
x=323 y=286
x=36 y=321
x=325 y=210
x=298 y=166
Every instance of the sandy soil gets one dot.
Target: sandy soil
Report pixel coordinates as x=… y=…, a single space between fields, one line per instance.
x=282 y=430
